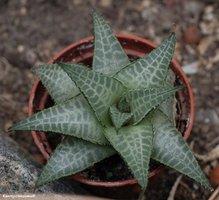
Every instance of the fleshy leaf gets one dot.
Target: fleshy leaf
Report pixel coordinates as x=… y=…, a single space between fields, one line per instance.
x=71 y=156
x=57 y=82
x=109 y=56
x=119 y=118
x=168 y=106
x=134 y=144
x=100 y=91
x=171 y=149
x=123 y=105
x=170 y=78
x=73 y=117
x=143 y=100
x=151 y=70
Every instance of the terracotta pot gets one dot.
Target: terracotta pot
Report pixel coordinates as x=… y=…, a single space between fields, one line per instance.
x=82 y=51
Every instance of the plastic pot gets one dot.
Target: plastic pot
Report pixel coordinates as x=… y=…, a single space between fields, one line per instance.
x=82 y=52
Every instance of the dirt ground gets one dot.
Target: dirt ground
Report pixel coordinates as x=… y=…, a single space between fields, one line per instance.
x=33 y=31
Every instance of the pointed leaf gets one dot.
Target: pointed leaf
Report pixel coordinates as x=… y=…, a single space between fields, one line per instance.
x=119 y=118
x=170 y=78
x=151 y=70
x=171 y=149
x=57 y=82
x=71 y=156
x=168 y=106
x=100 y=91
x=109 y=56
x=123 y=105
x=134 y=144
x=74 y=117
x=143 y=100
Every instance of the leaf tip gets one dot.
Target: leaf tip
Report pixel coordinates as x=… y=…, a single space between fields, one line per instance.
x=207 y=185
x=14 y=127
x=42 y=180
x=11 y=129
x=34 y=69
x=17 y=126
x=39 y=182
x=173 y=28
x=94 y=12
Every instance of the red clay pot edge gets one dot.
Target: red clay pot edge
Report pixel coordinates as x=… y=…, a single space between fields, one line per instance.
x=77 y=176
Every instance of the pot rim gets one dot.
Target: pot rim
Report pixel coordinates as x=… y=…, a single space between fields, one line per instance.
x=132 y=181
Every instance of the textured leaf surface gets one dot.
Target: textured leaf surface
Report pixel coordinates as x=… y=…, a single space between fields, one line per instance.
x=72 y=156
x=101 y=91
x=123 y=105
x=57 y=82
x=143 y=100
x=151 y=70
x=134 y=144
x=171 y=149
x=168 y=106
x=109 y=56
x=119 y=118
x=74 y=117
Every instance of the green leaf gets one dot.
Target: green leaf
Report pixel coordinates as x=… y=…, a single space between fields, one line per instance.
x=170 y=78
x=123 y=105
x=73 y=117
x=151 y=70
x=171 y=149
x=100 y=91
x=71 y=156
x=57 y=82
x=109 y=56
x=168 y=106
x=143 y=100
x=134 y=144
x=119 y=118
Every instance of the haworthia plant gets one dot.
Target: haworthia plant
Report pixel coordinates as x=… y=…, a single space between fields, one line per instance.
x=101 y=91
x=72 y=156
x=169 y=105
x=119 y=118
x=151 y=70
x=73 y=117
x=143 y=100
x=109 y=56
x=134 y=144
x=117 y=106
x=171 y=150
x=58 y=83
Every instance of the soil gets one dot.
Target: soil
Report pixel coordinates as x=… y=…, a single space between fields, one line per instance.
x=112 y=169
x=109 y=169
x=32 y=32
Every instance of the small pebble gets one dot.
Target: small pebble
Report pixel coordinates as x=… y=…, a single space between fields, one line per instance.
x=195 y=186
x=23 y=11
x=191 y=35
x=20 y=48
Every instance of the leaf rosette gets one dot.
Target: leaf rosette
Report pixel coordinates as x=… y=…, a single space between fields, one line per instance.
x=117 y=106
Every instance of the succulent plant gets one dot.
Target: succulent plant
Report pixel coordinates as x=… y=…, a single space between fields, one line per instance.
x=116 y=106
